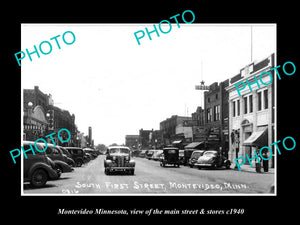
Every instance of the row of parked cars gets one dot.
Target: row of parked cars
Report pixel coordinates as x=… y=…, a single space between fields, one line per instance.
x=47 y=165
x=187 y=157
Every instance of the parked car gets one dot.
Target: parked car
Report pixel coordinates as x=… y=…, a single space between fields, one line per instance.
x=94 y=153
x=213 y=159
x=38 y=168
x=54 y=153
x=170 y=156
x=181 y=157
x=69 y=159
x=194 y=157
x=77 y=155
x=118 y=158
x=149 y=154
x=142 y=154
x=156 y=154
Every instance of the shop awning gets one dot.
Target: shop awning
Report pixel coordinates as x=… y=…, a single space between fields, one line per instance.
x=258 y=138
x=193 y=145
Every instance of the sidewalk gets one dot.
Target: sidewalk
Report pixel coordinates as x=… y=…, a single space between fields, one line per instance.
x=248 y=168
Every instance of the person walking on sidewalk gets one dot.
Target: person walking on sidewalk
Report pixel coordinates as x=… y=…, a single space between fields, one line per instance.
x=265 y=155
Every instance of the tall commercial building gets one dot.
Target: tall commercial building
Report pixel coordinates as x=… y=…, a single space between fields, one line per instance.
x=216 y=115
x=251 y=114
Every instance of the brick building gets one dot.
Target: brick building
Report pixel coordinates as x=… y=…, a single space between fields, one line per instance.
x=168 y=129
x=216 y=115
x=41 y=117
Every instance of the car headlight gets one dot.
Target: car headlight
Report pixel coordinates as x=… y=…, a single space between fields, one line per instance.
x=127 y=158
x=114 y=157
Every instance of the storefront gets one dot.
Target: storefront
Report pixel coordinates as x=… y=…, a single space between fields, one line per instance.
x=34 y=124
x=251 y=122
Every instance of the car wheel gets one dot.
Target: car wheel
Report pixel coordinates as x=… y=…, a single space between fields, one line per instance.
x=131 y=172
x=199 y=167
x=227 y=165
x=191 y=166
x=107 y=172
x=39 y=178
x=59 y=168
x=79 y=162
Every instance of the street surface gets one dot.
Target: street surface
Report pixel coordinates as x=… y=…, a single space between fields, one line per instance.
x=151 y=178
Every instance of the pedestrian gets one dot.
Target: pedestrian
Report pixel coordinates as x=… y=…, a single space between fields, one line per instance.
x=236 y=144
x=265 y=155
x=258 y=163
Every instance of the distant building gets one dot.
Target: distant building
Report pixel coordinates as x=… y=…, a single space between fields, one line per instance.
x=168 y=129
x=150 y=139
x=132 y=141
x=198 y=125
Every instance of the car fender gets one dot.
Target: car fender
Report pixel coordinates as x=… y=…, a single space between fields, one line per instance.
x=227 y=161
x=107 y=162
x=64 y=166
x=40 y=165
x=132 y=163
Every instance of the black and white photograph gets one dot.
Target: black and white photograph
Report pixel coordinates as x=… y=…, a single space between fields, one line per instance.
x=164 y=114
x=146 y=113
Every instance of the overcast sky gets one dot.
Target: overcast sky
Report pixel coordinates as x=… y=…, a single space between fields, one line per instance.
x=117 y=87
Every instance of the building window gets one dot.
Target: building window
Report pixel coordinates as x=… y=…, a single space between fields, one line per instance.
x=266 y=98
x=208 y=99
x=245 y=105
x=233 y=108
x=216 y=112
x=238 y=107
x=258 y=101
x=250 y=104
x=209 y=115
x=217 y=96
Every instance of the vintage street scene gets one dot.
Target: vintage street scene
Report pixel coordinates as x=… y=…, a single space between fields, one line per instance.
x=103 y=115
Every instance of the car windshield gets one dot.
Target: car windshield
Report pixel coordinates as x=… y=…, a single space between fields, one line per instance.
x=196 y=155
x=119 y=150
x=172 y=151
x=210 y=153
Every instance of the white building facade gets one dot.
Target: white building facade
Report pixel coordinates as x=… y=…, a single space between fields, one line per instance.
x=252 y=109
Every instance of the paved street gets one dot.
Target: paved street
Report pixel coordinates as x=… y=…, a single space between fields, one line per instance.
x=149 y=177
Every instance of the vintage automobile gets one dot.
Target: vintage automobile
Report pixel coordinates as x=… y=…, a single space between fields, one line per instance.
x=181 y=157
x=60 y=160
x=118 y=158
x=170 y=157
x=149 y=154
x=65 y=152
x=156 y=154
x=38 y=168
x=77 y=155
x=213 y=159
x=194 y=157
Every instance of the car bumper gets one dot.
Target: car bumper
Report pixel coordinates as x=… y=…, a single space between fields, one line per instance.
x=120 y=168
x=54 y=174
x=203 y=164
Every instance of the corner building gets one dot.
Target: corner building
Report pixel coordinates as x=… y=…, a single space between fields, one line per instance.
x=251 y=115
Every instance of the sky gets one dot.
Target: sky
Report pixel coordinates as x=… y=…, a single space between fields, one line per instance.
x=118 y=87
